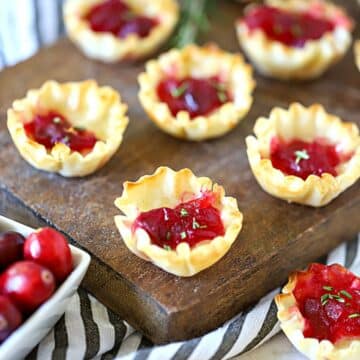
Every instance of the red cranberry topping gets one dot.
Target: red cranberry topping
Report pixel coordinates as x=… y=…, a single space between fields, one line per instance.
x=291 y=29
x=196 y=96
x=10 y=318
x=52 y=128
x=192 y=222
x=11 y=248
x=116 y=17
x=302 y=159
x=329 y=299
x=27 y=284
x=50 y=249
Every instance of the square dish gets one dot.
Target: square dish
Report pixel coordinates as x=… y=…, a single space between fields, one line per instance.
x=29 y=334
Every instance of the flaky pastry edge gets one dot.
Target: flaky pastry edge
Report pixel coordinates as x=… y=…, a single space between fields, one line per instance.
x=292 y=323
x=84 y=104
x=167 y=187
x=107 y=47
x=198 y=62
x=305 y=124
x=277 y=60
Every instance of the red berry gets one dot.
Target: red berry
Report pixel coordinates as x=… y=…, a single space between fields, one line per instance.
x=49 y=248
x=10 y=318
x=11 y=248
x=27 y=284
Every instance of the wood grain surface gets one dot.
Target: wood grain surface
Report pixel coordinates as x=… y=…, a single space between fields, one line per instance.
x=277 y=237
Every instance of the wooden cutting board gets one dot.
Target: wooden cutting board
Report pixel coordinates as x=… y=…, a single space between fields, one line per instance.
x=276 y=238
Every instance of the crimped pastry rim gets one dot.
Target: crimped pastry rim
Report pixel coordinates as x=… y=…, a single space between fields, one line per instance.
x=275 y=59
x=292 y=323
x=60 y=158
x=221 y=120
x=107 y=47
x=184 y=261
x=314 y=191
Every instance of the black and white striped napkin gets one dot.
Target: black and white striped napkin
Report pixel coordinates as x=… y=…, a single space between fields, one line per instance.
x=90 y=330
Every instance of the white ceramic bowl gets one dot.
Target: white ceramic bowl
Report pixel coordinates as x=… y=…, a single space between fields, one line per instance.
x=30 y=333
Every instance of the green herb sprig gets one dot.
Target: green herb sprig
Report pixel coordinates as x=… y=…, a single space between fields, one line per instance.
x=193 y=20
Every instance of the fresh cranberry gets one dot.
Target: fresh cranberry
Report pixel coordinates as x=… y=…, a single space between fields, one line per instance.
x=10 y=318
x=329 y=300
x=52 y=128
x=11 y=248
x=291 y=29
x=27 y=284
x=192 y=222
x=49 y=248
x=116 y=17
x=302 y=159
x=196 y=96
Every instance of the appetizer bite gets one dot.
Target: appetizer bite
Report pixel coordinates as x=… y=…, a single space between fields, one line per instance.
x=304 y=155
x=31 y=269
x=197 y=93
x=113 y=30
x=294 y=39
x=319 y=311
x=180 y=222
x=72 y=129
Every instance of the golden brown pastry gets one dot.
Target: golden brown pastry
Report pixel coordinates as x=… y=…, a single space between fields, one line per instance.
x=72 y=128
x=304 y=155
x=197 y=93
x=113 y=30
x=181 y=223
x=319 y=311
x=294 y=39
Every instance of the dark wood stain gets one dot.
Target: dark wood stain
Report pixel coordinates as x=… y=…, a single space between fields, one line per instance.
x=276 y=238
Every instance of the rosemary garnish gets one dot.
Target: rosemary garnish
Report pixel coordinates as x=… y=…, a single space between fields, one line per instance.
x=222 y=96
x=167 y=247
x=354 y=315
x=301 y=155
x=345 y=293
x=328 y=288
x=195 y=224
x=338 y=298
x=183 y=235
x=193 y=21
x=183 y=212
x=79 y=128
x=324 y=299
x=177 y=92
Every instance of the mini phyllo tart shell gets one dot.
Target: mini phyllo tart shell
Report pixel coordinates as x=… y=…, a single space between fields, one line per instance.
x=275 y=59
x=107 y=47
x=198 y=62
x=167 y=188
x=86 y=106
x=306 y=124
x=292 y=323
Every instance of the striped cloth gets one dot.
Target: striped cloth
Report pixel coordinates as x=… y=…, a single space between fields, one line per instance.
x=27 y=25
x=89 y=330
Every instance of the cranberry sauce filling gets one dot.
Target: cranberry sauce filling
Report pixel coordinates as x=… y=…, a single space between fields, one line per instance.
x=291 y=29
x=196 y=96
x=116 y=17
x=329 y=299
x=192 y=222
x=52 y=128
x=302 y=159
